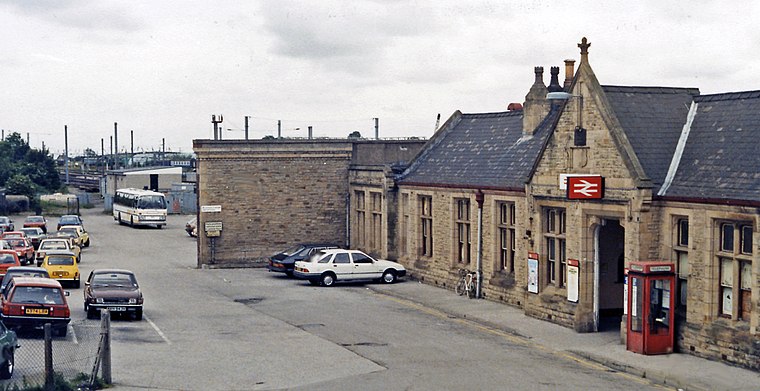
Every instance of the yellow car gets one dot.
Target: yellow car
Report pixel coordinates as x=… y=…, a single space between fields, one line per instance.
x=81 y=234
x=62 y=266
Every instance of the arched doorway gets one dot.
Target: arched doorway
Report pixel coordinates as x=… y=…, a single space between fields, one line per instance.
x=609 y=250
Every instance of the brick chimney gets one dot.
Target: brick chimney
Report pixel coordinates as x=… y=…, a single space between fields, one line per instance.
x=536 y=107
x=569 y=73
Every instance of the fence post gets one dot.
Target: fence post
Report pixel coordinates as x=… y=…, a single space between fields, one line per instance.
x=49 y=379
x=105 y=362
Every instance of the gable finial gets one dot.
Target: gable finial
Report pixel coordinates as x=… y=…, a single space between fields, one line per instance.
x=584 y=45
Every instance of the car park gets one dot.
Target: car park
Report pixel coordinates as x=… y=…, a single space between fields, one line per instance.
x=22 y=271
x=36 y=222
x=23 y=248
x=191 y=227
x=62 y=266
x=35 y=235
x=31 y=302
x=8 y=258
x=69 y=220
x=284 y=262
x=330 y=266
x=114 y=289
x=6 y=224
x=8 y=346
x=57 y=244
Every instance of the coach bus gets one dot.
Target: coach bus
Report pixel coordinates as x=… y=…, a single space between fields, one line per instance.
x=139 y=207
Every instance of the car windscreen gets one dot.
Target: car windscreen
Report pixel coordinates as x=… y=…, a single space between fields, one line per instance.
x=69 y=220
x=4 y=220
x=37 y=295
x=7 y=259
x=30 y=231
x=151 y=202
x=57 y=245
x=69 y=231
x=16 y=242
x=60 y=260
x=35 y=220
x=113 y=280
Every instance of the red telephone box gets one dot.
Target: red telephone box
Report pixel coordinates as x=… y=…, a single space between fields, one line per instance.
x=651 y=306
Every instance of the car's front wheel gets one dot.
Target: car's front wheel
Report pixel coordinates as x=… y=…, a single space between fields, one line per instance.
x=389 y=276
x=138 y=314
x=6 y=368
x=328 y=279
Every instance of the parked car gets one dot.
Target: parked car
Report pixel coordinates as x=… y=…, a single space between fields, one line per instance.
x=22 y=271
x=23 y=248
x=191 y=227
x=69 y=220
x=6 y=224
x=8 y=258
x=13 y=234
x=284 y=262
x=36 y=222
x=62 y=266
x=35 y=235
x=57 y=244
x=81 y=237
x=114 y=289
x=32 y=302
x=8 y=346
x=329 y=266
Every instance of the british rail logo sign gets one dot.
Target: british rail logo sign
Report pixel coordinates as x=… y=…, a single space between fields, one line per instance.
x=585 y=187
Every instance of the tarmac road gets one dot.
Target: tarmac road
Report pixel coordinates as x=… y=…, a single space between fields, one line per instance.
x=247 y=329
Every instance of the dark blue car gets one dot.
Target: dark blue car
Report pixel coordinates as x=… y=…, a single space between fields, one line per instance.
x=283 y=262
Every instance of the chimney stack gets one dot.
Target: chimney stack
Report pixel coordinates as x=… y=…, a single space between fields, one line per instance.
x=569 y=73
x=554 y=84
x=536 y=106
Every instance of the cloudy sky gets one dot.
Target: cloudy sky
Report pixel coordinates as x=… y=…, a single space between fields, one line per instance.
x=162 y=68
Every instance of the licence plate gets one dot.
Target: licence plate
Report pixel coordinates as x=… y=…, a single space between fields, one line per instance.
x=61 y=274
x=117 y=309
x=36 y=311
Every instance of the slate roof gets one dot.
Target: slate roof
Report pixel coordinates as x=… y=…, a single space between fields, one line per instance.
x=652 y=119
x=486 y=151
x=721 y=158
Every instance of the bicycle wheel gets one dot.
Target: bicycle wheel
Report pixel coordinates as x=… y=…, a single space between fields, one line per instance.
x=460 y=288
x=471 y=286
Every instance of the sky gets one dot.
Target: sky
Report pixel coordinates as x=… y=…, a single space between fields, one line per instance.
x=161 y=69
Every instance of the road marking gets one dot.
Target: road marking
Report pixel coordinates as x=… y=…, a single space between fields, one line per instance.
x=160 y=333
x=73 y=334
x=523 y=341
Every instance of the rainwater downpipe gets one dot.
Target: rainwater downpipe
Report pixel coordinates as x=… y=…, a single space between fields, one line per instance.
x=479 y=197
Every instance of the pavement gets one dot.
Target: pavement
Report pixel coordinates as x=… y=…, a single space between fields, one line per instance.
x=677 y=370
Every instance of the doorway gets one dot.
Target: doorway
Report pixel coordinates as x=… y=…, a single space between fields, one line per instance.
x=610 y=263
x=154 y=182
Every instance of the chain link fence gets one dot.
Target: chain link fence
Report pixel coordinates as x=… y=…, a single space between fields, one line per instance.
x=75 y=358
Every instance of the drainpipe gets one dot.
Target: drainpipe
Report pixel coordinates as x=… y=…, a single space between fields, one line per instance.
x=479 y=197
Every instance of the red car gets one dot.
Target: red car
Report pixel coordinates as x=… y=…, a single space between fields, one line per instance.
x=8 y=258
x=23 y=247
x=12 y=234
x=34 y=301
x=36 y=221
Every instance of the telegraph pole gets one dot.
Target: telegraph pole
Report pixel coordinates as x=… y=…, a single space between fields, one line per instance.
x=377 y=128
x=216 y=122
x=279 y=129
x=103 y=155
x=65 y=150
x=132 y=143
x=246 y=126
x=116 y=143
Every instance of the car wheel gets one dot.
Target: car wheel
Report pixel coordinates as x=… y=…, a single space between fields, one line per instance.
x=91 y=313
x=389 y=276
x=289 y=273
x=328 y=279
x=76 y=284
x=138 y=314
x=87 y=243
x=118 y=218
x=6 y=369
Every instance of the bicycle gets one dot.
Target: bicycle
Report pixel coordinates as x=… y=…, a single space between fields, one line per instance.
x=466 y=284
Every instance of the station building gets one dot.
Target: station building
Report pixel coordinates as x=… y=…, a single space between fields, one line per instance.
x=553 y=200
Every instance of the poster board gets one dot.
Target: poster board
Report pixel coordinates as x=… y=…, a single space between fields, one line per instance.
x=573 y=271
x=533 y=272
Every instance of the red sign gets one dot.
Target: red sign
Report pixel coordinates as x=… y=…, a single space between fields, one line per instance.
x=573 y=262
x=585 y=187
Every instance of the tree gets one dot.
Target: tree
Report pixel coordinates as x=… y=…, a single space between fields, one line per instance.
x=355 y=134
x=20 y=185
x=37 y=166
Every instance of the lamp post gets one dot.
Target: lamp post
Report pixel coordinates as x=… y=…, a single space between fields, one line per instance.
x=579 y=137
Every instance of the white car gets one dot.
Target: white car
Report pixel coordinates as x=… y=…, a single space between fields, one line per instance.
x=329 y=266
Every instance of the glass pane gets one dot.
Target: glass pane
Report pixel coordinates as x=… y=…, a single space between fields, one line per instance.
x=727 y=237
x=746 y=239
x=683 y=232
x=683 y=264
x=746 y=275
x=637 y=305
x=726 y=273
x=726 y=303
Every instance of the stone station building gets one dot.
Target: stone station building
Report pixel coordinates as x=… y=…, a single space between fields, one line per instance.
x=676 y=177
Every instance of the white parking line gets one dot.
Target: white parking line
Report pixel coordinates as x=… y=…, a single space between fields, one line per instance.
x=73 y=334
x=160 y=333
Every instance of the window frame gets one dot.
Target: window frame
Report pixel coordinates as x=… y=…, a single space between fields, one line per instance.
x=555 y=245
